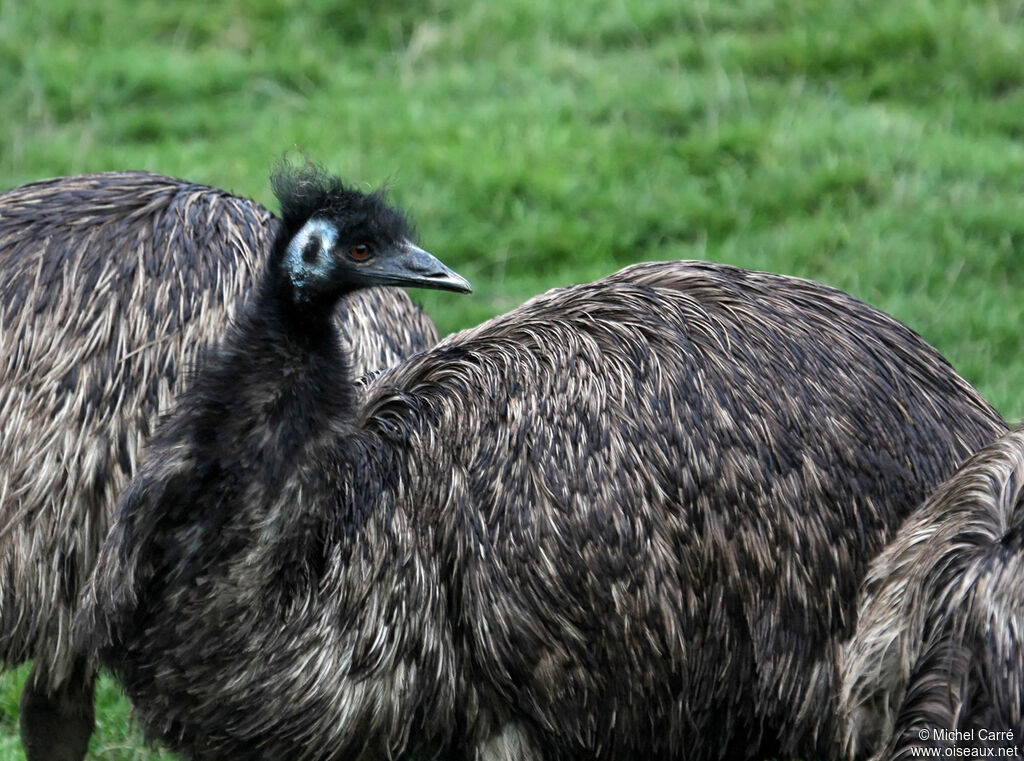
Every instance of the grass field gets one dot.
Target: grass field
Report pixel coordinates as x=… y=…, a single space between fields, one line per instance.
x=870 y=144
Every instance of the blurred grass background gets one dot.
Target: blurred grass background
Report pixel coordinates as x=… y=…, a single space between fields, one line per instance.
x=869 y=144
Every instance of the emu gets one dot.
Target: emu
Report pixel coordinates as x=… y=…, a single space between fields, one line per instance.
x=939 y=643
x=625 y=520
x=110 y=286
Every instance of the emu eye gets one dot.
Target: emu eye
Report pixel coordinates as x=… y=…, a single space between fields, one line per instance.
x=360 y=252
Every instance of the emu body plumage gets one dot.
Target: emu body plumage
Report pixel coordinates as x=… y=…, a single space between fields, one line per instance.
x=939 y=644
x=626 y=520
x=110 y=286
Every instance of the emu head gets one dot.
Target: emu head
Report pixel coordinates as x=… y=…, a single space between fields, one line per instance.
x=334 y=239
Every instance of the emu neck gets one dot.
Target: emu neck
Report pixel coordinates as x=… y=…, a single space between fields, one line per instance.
x=281 y=380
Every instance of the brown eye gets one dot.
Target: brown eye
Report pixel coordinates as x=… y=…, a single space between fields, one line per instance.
x=360 y=252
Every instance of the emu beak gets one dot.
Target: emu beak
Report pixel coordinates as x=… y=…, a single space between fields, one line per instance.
x=413 y=267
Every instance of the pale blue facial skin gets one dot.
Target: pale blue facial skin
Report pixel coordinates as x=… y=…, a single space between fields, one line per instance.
x=299 y=270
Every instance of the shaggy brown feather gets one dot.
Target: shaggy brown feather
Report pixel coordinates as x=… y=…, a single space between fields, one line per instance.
x=939 y=644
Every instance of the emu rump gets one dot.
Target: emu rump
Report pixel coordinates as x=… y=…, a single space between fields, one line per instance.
x=937 y=660
x=110 y=284
x=625 y=520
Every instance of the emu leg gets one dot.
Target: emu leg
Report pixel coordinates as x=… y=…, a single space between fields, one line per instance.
x=56 y=724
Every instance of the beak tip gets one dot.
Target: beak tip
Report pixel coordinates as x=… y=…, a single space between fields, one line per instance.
x=427 y=271
x=453 y=282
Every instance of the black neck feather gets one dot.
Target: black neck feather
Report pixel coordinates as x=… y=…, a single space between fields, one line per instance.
x=280 y=380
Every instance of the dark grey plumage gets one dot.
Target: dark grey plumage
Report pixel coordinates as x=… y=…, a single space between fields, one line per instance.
x=110 y=284
x=625 y=520
x=939 y=644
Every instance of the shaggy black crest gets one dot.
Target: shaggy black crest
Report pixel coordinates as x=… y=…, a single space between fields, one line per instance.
x=110 y=287
x=627 y=520
x=308 y=191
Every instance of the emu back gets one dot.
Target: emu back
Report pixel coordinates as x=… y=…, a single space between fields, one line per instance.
x=110 y=287
x=667 y=510
x=626 y=520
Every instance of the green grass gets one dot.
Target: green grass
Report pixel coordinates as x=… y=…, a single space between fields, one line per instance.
x=870 y=144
